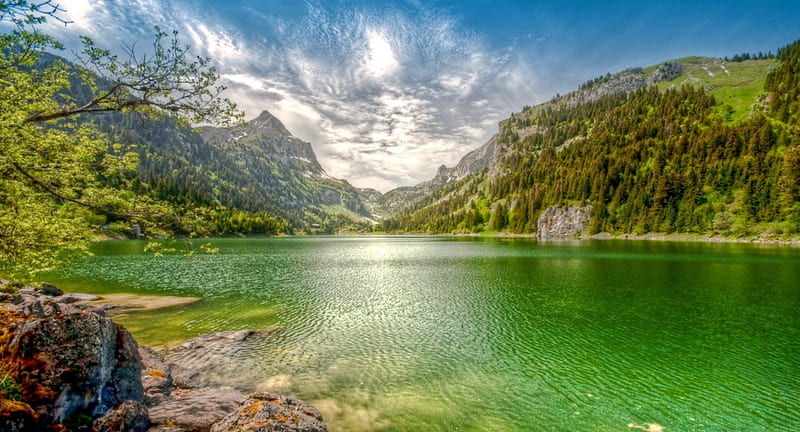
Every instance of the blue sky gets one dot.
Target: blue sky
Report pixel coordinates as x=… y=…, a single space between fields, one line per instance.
x=386 y=91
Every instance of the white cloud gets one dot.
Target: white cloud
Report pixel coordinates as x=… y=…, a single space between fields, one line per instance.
x=77 y=11
x=385 y=96
x=380 y=60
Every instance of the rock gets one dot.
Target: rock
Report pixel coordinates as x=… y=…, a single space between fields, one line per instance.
x=266 y=412
x=210 y=351
x=51 y=290
x=186 y=379
x=16 y=416
x=196 y=409
x=70 y=363
x=130 y=416
x=70 y=298
x=156 y=376
x=77 y=370
x=665 y=72
x=164 y=428
x=563 y=223
x=10 y=298
x=34 y=304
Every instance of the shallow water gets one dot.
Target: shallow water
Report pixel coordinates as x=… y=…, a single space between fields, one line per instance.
x=474 y=334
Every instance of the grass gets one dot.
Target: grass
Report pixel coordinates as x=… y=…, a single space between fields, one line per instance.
x=9 y=388
x=735 y=90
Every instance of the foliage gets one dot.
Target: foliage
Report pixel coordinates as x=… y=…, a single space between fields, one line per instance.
x=647 y=161
x=9 y=388
x=52 y=193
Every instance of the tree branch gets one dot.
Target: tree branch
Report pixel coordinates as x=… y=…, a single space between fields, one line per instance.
x=45 y=187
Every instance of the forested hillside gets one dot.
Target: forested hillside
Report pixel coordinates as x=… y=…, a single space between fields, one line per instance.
x=671 y=158
x=255 y=178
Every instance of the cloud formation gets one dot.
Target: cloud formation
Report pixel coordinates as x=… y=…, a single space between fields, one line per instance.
x=384 y=94
x=388 y=91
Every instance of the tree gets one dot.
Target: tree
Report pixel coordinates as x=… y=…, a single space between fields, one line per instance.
x=52 y=158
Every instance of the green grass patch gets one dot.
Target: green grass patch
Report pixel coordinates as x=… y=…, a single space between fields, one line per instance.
x=9 y=388
x=736 y=85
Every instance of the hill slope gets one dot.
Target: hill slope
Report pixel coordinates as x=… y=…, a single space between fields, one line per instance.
x=681 y=147
x=735 y=84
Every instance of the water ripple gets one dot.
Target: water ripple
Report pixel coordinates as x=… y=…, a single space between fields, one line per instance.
x=472 y=334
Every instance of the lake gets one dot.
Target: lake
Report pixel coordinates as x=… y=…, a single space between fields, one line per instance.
x=488 y=334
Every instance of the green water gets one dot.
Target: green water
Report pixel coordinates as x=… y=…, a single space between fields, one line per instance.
x=466 y=334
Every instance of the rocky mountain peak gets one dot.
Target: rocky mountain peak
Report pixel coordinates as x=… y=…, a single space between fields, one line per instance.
x=266 y=121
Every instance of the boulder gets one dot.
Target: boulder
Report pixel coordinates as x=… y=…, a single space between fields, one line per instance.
x=266 y=412
x=71 y=365
x=75 y=369
x=51 y=290
x=197 y=408
x=130 y=416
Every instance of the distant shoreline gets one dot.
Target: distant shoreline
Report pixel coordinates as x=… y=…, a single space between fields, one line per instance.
x=661 y=237
x=675 y=237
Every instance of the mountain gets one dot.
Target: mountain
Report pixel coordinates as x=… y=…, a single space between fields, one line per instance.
x=403 y=198
x=256 y=167
x=251 y=178
x=692 y=145
x=283 y=169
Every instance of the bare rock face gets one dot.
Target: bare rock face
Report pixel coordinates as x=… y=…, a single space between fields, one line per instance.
x=71 y=365
x=665 y=72
x=563 y=222
x=266 y=412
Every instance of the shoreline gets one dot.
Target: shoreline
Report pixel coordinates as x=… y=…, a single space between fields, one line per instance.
x=659 y=237
x=699 y=238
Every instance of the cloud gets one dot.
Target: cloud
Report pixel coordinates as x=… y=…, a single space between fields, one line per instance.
x=385 y=95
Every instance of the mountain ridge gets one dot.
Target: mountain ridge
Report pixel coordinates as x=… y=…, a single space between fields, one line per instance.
x=404 y=197
x=568 y=151
x=257 y=166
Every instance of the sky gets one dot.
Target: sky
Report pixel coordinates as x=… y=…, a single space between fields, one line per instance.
x=387 y=91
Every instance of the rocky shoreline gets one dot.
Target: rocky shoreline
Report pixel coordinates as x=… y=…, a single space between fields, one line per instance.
x=66 y=366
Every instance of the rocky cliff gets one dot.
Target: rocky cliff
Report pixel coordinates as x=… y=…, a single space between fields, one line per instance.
x=67 y=367
x=281 y=168
x=563 y=222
